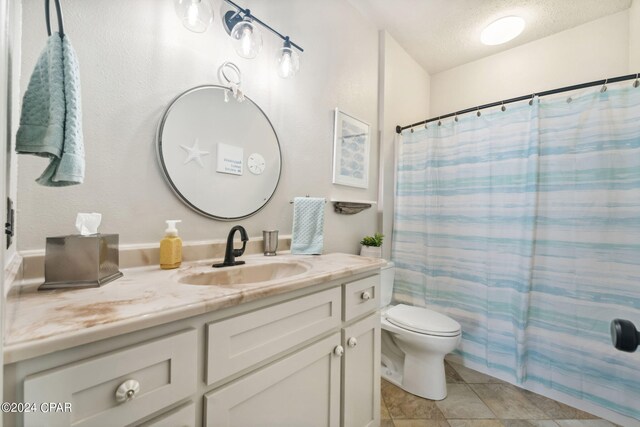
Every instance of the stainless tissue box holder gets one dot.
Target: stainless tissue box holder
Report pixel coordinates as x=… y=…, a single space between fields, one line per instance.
x=81 y=261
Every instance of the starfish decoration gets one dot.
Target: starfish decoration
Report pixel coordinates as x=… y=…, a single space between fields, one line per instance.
x=194 y=153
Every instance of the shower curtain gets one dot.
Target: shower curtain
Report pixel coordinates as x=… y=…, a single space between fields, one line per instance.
x=524 y=226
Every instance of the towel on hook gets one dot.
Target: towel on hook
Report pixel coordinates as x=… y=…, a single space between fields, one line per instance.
x=308 y=226
x=51 y=118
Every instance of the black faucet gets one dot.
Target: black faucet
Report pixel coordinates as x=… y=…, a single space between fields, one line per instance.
x=230 y=254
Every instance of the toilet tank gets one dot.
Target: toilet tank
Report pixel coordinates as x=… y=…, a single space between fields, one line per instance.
x=387 y=274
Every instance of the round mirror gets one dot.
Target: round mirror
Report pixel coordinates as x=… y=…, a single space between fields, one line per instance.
x=220 y=156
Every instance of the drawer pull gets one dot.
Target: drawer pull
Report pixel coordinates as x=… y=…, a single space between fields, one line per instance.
x=127 y=391
x=366 y=296
x=352 y=342
x=338 y=351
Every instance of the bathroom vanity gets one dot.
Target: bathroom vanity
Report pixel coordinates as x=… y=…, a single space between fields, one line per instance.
x=289 y=340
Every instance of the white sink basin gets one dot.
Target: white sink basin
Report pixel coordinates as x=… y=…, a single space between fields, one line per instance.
x=243 y=274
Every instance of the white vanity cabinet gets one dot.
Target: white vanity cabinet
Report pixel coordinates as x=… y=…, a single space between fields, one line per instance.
x=332 y=382
x=307 y=357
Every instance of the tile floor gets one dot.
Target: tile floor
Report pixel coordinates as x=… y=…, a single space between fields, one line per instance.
x=478 y=400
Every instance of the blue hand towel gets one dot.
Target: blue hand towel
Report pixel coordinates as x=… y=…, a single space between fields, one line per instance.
x=308 y=226
x=51 y=119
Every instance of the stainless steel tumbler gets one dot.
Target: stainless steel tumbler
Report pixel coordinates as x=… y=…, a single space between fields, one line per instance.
x=270 y=238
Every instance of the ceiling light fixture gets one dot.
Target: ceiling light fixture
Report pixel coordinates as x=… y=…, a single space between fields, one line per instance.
x=502 y=30
x=241 y=25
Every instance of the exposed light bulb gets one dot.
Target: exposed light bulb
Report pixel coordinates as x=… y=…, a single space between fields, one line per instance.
x=246 y=41
x=192 y=14
x=196 y=15
x=285 y=64
x=287 y=60
x=246 y=38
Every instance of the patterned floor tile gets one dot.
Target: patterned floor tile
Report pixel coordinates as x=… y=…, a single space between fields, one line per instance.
x=421 y=423
x=584 y=423
x=529 y=423
x=474 y=377
x=384 y=412
x=556 y=410
x=451 y=374
x=403 y=405
x=462 y=402
x=475 y=423
x=508 y=402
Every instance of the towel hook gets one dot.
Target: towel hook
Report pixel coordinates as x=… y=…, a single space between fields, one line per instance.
x=58 y=13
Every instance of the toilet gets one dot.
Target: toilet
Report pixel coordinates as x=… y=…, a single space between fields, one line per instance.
x=414 y=343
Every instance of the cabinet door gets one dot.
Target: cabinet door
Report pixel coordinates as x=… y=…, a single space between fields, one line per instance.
x=302 y=389
x=361 y=380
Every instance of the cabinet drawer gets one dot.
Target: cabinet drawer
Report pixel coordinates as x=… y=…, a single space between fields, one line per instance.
x=243 y=341
x=302 y=389
x=182 y=416
x=164 y=368
x=361 y=297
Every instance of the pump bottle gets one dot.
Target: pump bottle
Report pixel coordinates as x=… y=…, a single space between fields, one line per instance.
x=171 y=247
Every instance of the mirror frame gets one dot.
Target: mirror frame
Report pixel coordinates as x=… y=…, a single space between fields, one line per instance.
x=165 y=173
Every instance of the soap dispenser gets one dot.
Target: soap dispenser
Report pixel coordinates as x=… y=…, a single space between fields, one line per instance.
x=171 y=247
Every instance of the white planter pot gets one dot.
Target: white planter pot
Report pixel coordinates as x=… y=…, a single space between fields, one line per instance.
x=371 y=251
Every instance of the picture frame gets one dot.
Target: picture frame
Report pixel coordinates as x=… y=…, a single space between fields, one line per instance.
x=351 y=149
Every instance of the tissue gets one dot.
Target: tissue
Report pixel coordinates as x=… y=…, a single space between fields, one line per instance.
x=87 y=223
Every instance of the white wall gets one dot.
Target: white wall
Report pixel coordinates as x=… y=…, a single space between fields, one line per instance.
x=404 y=99
x=634 y=37
x=592 y=51
x=135 y=56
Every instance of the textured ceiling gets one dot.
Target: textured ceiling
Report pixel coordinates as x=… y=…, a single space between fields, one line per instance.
x=442 y=34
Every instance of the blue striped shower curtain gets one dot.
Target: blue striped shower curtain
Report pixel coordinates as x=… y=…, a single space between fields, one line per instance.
x=524 y=226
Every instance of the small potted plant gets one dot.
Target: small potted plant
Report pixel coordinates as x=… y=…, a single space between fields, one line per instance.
x=372 y=246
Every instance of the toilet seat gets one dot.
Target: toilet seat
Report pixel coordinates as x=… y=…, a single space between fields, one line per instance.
x=422 y=321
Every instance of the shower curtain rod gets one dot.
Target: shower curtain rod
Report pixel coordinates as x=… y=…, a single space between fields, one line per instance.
x=399 y=129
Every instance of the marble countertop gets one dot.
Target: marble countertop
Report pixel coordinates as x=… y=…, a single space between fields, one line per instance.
x=38 y=323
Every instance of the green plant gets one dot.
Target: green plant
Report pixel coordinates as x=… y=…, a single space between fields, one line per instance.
x=375 y=240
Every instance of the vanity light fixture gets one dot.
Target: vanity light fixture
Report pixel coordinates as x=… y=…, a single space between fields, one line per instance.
x=502 y=30
x=196 y=15
x=241 y=25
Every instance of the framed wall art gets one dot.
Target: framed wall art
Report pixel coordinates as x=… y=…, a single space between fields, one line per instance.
x=351 y=145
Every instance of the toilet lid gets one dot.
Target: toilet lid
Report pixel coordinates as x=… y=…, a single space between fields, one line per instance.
x=423 y=320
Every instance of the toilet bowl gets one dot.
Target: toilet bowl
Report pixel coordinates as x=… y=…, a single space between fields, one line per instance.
x=414 y=343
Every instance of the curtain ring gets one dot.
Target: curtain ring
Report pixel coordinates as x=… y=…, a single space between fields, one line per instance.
x=533 y=95
x=456 y=117
x=412 y=130
x=478 y=113
x=425 y=125
x=636 y=83
x=439 y=122
x=503 y=108
x=603 y=89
